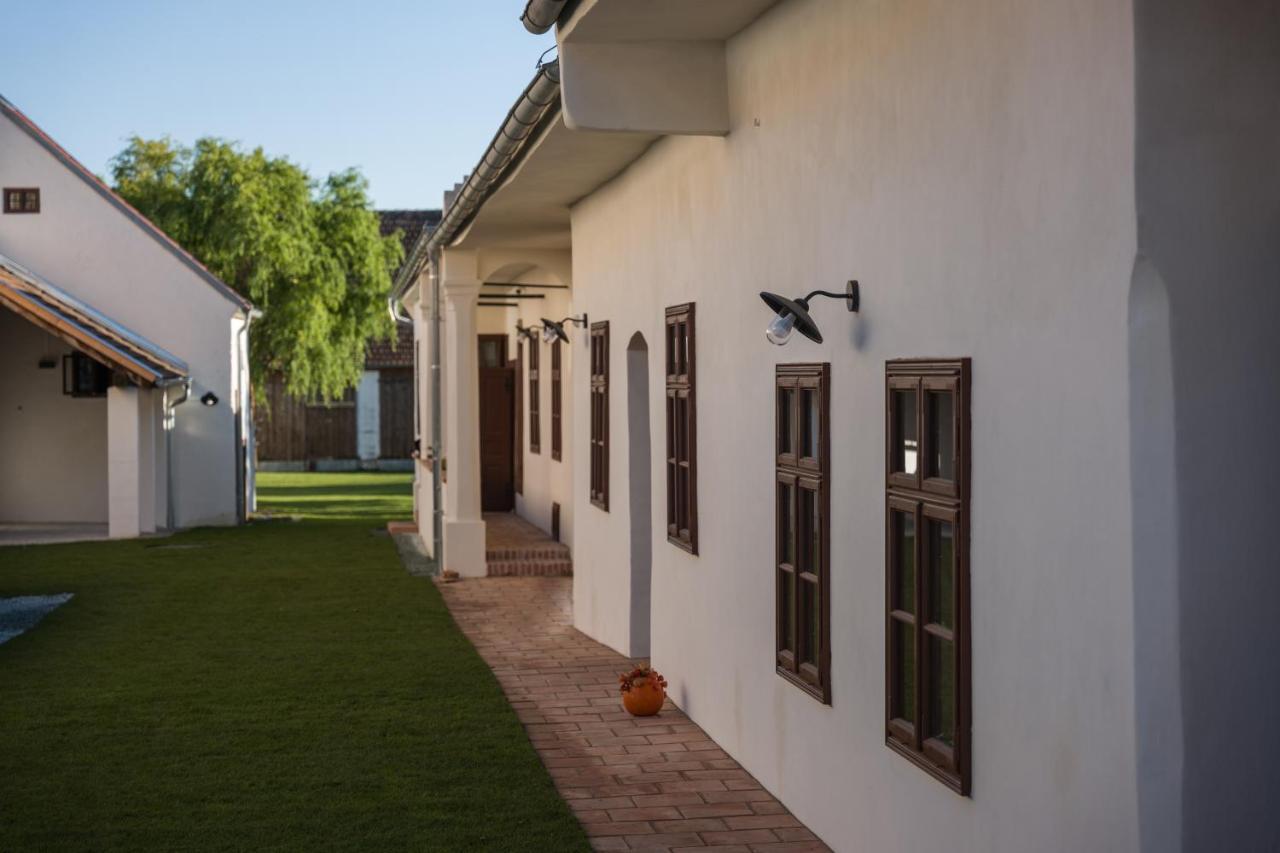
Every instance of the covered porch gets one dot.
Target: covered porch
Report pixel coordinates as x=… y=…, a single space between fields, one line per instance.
x=85 y=409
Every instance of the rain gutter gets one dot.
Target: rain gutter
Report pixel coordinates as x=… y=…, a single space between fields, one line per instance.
x=541 y=15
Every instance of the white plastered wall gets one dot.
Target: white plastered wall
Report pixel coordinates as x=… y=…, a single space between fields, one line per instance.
x=53 y=447
x=972 y=165
x=84 y=245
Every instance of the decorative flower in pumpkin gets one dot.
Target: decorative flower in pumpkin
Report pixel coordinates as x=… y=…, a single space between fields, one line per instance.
x=640 y=676
x=643 y=691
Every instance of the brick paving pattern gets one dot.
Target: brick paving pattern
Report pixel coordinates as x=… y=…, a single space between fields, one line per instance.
x=636 y=783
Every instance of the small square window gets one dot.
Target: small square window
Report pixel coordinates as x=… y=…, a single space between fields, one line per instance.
x=21 y=200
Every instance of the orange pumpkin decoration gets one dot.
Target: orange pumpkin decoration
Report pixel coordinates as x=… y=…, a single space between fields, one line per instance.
x=643 y=691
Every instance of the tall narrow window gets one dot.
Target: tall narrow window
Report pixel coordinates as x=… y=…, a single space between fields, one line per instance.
x=21 y=200
x=600 y=414
x=535 y=416
x=555 y=400
x=927 y=707
x=682 y=433
x=803 y=511
x=519 y=460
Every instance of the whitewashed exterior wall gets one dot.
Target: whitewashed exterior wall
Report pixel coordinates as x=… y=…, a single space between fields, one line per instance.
x=60 y=475
x=80 y=242
x=972 y=165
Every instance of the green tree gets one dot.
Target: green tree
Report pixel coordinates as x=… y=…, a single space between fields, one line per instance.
x=307 y=253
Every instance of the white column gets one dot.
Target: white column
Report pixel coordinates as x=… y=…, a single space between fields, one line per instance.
x=424 y=496
x=148 y=446
x=464 y=544
x=124 y=488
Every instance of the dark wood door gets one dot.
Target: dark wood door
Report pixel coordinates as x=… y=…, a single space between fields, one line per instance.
x=497 y=439
x=395 y=415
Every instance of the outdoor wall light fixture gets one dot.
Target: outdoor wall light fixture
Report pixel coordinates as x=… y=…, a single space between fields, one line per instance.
x=528 y=332
x=551 y=330
x=209 y=399
x=793 y=314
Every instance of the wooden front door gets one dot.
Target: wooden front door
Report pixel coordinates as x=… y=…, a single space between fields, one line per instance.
x=497 y=426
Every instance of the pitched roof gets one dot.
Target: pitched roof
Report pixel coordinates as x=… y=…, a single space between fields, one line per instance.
x=412 y=222
x=381 y=354
x=62 y=156
x=85 y=328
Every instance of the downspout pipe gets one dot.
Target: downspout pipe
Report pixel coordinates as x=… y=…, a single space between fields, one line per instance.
x=170 y=420
x=437 y=446
x=541 y=15
x=246 y=404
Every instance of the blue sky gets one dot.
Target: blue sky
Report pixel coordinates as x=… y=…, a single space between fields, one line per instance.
x=409 y=91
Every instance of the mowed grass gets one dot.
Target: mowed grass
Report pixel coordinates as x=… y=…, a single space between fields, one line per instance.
x=280 y=686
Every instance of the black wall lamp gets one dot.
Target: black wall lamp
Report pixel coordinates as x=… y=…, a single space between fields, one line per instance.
x=209 y=399
x=527 y=332
x=551 y=330
x=793 y=314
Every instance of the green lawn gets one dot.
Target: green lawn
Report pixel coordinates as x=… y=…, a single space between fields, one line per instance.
x=280 y=686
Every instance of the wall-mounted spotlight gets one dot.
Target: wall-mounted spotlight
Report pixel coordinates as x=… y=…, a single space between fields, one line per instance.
x=526 y=332
x=551 y=330
x=209 y=399
x=793 y=314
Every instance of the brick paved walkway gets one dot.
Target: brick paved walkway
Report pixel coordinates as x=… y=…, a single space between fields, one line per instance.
x=636 y=783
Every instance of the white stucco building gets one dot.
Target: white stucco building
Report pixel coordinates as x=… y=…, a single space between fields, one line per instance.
x=124 y=394
x=985 y=569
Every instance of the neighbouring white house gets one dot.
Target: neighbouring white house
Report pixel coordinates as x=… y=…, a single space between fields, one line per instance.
x=982 y=559
x=125 y=388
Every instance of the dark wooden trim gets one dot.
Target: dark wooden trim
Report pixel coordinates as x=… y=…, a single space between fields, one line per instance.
x=599 y=415
x=931 y=500
x=555 y=521
x=682 y=435
x=519 y=431
x=557 y=393
x=802 y=474
x=21 y=207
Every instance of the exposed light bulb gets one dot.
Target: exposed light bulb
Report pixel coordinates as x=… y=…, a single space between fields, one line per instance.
x=779 y=331
x=548 y=334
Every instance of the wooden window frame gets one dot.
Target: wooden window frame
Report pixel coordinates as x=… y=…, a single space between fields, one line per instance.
x=599 y=395
x=27 y=192
x=682 y=438
x=800 y=472
x=535 y=412
x=929 y=499
x=556 y=401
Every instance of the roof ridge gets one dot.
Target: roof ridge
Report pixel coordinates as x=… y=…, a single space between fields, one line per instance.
x=61 y=154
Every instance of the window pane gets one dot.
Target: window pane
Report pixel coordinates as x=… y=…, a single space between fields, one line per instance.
x=942 y=690
x=809 y=420
x=903 y=650
x=942 y=452
x=786 y=609
x=904 y=564
x=906 y=442
x=940 y=564
x=808 y=531
x=809 y=623
x=814 y=514
x=786 y=524
x=784 y=420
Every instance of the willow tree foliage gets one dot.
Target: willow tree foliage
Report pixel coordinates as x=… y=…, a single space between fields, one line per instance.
x=308 y=253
